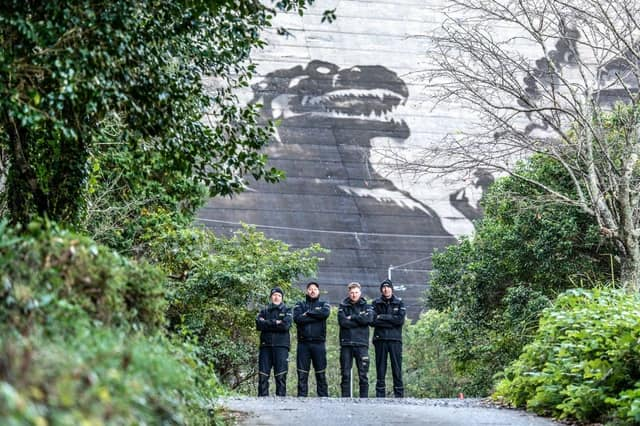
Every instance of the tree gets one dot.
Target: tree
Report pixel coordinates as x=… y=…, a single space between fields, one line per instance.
x=494 y=285
x=520 y=241
x=587 y=57
x=68 y=67
x=127 y=199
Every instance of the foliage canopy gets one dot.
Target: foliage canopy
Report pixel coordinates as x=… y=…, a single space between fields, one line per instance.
x=67 y=68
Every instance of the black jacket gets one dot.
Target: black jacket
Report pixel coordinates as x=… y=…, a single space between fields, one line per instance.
x=354 y=331
x=388 y=318
x=273 y=334
x=310 y=316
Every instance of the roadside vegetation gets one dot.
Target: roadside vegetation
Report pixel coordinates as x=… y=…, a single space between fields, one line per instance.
x=531 y=309
x=116 y=309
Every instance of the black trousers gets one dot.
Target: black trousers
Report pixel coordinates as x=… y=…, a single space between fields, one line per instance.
x=278 y=359
x=393 y=349
x=361 y=355
x=316 y=353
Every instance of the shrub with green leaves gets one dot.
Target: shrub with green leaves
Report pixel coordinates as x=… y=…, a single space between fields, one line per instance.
x=101 y=376
x=430 y=370
x=217 y=286
x=52 y=270
x=49 y=274
x=584 y=362
x=445 y=355
x=82 y=337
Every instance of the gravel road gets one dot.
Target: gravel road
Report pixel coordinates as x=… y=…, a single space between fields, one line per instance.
x=355 y=412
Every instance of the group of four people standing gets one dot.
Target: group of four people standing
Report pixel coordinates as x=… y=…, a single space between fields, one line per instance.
x=386 y=315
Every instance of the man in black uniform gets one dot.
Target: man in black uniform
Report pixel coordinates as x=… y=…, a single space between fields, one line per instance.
x=389 y=313
x=354 y=316
x=274 y=322
x=310 y=315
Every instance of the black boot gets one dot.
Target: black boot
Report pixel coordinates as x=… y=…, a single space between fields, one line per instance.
x=281 y=384
x=303 y=383
x=364 y=391
x=321 y=382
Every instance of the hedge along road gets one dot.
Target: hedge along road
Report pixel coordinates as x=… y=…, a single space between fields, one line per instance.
x=355 y=412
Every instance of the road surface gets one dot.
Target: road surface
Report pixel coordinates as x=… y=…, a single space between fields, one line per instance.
x=354 y=412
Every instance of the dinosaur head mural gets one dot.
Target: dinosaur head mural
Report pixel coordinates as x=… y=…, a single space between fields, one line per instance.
x=360 y=97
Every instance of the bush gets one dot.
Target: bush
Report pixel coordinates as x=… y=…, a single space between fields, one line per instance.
x=430 y=371
x=584 y=362
x=81 y=338
x=218 y=286
x=445 y=355
x=50 y=274
x=101 y=376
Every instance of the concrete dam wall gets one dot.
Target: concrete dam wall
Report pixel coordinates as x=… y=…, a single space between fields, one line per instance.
x=344 y=93
x=351 y=97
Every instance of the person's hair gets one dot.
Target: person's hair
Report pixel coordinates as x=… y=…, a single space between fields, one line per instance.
x=354 y=285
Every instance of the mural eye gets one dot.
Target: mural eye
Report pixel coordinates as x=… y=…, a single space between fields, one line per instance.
x=295 y=81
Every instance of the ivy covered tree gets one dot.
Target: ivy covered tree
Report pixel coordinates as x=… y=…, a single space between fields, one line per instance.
x=69 y=67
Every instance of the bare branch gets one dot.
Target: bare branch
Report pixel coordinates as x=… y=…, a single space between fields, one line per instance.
x=546 y=82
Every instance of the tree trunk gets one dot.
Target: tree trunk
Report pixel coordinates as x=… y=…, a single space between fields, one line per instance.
x=630 y=268
x=45 y=179
x=68 y=182
x=22 y=186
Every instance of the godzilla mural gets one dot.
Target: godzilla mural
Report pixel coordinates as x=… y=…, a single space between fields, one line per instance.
x=328 y=118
